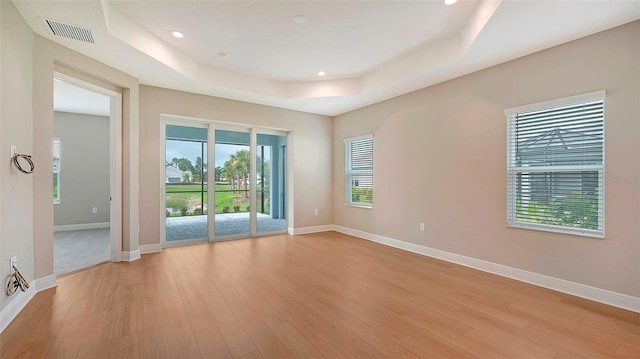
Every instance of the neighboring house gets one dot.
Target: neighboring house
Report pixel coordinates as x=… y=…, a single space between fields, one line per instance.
x=175 y=175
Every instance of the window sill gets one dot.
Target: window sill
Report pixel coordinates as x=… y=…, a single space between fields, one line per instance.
x=357 y=205
x=557 y=229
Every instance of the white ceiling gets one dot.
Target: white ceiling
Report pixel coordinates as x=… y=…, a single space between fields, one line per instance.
x=370 y=50
x=70 y=98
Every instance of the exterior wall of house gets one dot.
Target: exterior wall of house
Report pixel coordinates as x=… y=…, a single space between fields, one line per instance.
x=16 y=127
x=85 y=168
x=440 y=158
x=309 y=152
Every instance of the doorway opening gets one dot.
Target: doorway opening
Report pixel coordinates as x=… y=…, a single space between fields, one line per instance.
x=84 y=165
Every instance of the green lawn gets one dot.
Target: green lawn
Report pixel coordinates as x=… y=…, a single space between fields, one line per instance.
x=179 y=195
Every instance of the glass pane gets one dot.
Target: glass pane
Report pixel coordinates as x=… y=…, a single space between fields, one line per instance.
x=232 y=185
x=570 y=135
x=271 y=176
x=362 y=189
x=56 y=171
x=185 y=183
x=568 y=199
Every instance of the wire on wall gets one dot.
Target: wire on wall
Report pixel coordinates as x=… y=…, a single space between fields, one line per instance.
x=16 y=161
x=16 y=280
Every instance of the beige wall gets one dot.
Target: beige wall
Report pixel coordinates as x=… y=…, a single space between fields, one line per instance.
x=16 y=126
x=85 y=168
x=311 y=137
x=440 y=158
x=47 y=58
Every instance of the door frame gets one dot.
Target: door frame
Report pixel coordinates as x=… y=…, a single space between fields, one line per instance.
x=212 y=126
x=115 y=159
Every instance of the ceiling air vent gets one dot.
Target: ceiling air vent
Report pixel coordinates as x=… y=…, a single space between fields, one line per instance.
x=69 y=31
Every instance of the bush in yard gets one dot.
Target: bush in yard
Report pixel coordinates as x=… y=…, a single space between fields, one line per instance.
x=573 y=210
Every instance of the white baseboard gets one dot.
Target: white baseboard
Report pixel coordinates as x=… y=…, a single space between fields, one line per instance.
x=561 y=285
x=307 y=230
x=150 y=248
x=81 y=227
x=20 y=300
x=131 y=256
x=45 y=283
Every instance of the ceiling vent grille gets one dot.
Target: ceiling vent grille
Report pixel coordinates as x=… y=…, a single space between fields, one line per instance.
x=69 y=31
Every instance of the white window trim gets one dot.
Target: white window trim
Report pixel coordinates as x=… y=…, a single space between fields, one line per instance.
x=591 y=96
x=586 y=97
x=347 y=173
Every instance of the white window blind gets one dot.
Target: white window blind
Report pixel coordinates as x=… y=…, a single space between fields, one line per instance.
x=555 y=165
x=359 y=171
x=56 y=171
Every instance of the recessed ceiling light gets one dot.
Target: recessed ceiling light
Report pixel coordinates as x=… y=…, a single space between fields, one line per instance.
x=450 y=2
x=299 y=19
x=321 y=73
x=177 y=34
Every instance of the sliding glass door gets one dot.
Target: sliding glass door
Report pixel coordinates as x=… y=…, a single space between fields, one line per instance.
x=271 y=176
x=186 y=185
x=235 y=188
x=233 y=184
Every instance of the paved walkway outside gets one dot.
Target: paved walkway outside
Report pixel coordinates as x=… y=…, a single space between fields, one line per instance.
x=189 y=227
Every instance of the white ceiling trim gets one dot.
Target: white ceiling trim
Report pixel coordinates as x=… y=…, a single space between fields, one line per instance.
x=494 y=31
x=414 y=63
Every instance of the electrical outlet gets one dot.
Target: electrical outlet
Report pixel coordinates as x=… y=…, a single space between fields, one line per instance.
x=315 y=212
x=421 y=227
x=13 y=263
x=13 y=151
x=94 y=210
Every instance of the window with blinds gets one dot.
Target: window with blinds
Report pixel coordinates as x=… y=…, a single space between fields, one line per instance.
x=359 y=171
x=555 y=165
x=56 y=171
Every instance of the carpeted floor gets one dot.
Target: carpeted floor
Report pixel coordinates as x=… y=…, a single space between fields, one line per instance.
x=75 y=250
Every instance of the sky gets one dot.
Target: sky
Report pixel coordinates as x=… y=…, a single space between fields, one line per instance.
x=192 y=150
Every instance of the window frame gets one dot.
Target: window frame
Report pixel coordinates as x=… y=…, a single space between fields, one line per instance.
x=513 y=169
x=349 y=172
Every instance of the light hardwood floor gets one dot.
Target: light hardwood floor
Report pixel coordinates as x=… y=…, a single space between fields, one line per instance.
x=323 y=295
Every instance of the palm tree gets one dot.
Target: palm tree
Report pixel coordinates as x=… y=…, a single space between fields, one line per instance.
x=237 y=168
x=242 y=165
x=230 y=173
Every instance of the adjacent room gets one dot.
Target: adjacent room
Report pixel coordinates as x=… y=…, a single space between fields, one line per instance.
x=331 y=179
x=81 y=180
